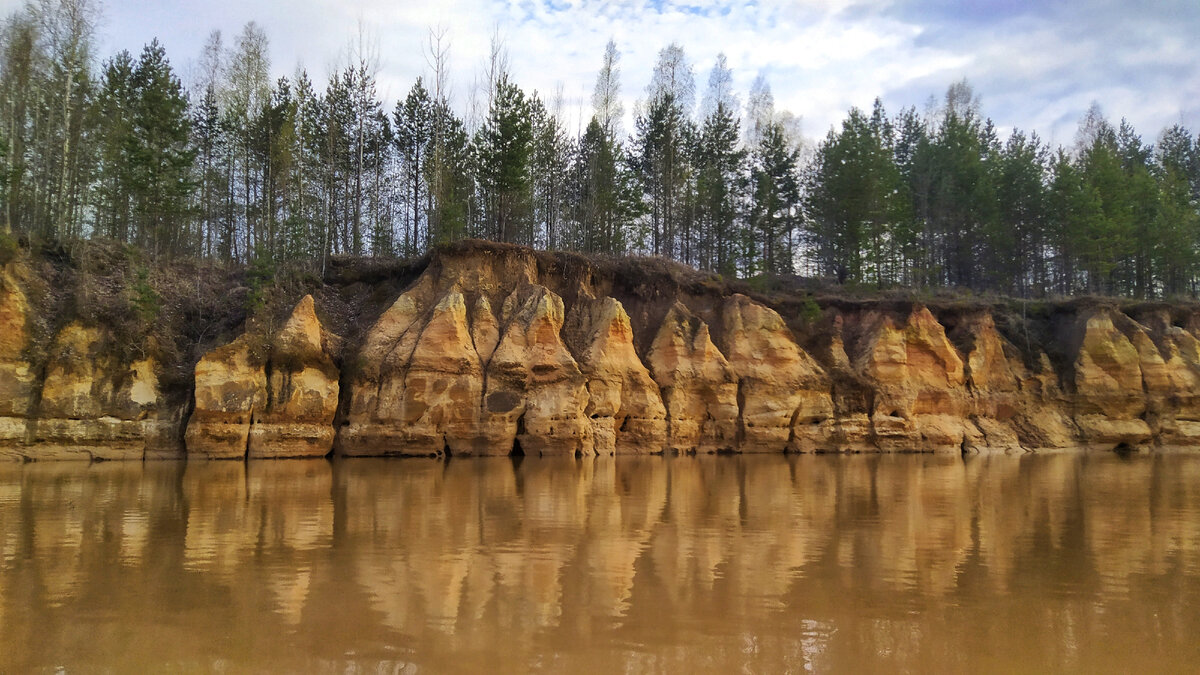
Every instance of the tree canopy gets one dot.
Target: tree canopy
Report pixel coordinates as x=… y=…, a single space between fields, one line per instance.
x=236 y=167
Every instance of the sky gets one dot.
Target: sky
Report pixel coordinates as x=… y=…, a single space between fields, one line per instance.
x=1036 y=65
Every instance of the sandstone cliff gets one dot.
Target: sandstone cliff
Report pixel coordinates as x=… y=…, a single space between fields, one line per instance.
x=278 y=406
x=494 y=350
x=88 y=403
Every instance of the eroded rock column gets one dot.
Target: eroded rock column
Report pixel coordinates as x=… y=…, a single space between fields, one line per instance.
x=624 y=407
x=699 y=389
x=783 y=395
x=278 y=406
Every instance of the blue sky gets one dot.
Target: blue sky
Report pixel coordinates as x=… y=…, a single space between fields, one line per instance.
x=1036 y=65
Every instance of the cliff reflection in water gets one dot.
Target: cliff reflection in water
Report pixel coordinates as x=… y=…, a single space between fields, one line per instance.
x=709 y=563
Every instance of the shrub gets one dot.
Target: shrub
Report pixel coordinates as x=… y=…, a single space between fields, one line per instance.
x=810 y=311
x=146 y=300
x=9 y=247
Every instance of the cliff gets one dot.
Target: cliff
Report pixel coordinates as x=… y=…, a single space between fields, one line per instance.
x=485 y=349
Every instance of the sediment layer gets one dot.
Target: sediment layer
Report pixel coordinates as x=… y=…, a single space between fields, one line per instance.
x=494 y=350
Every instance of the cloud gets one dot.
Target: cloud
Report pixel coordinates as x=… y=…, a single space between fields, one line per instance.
x=1036 y=65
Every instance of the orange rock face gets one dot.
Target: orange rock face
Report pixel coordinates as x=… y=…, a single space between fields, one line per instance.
x=699 y=389
x=482 y=357
x=94 y=407
x=918 y=382
x=283 y=407
x=16 y=379
x=783 y=395
x=495 y=351
x=89 y=404
x=624 y=407
x=1109 y=398
x=302 y=392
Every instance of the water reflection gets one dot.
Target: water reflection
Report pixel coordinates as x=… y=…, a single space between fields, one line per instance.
x=707 y=563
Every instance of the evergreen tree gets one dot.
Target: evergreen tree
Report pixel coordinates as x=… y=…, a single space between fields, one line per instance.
x=1017 y=246
x=1104 y=239
x=1177 y=223
x=305 y=226
x=260 y=173
x=549 y=164
x=414 y=134
x=450 y=176
x=159 y=156
x=505 y=146
x=855 y=201
x=776 y=202
x=114 y=186
x=958 y=202
x=208 y=146
x=596 y=193
x=720 y=179
x=661 y=159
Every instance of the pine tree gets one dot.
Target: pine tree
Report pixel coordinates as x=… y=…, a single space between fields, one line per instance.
x=159 y=156
x=1017 y=245
x=451 y=177
x=113 y=191
x=549 y=164
x=776 y=202
x=958 y=202
x=505 y=146
x=207 y=144
x=1105 y=241
x=662 y=164
x=1177 y=223
x=596 y=193
x=313 y=169
x=274 y=151
x=855 y=201
x=720 y=179
x=414 y=134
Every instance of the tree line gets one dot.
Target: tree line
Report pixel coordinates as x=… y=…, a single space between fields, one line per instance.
x=242 y=167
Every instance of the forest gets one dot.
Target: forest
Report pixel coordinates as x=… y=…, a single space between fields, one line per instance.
x=240 y=167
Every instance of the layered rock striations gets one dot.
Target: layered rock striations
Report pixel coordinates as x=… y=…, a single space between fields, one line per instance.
x=495 y=350
x=16 y=376
x=87 y=398
x=282 y=405
x=699 y=389
x=624 y=404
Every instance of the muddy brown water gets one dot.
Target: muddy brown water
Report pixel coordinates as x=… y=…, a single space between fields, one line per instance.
x=908 y=563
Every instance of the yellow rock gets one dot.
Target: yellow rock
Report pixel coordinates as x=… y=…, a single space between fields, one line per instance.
x=920 y=399
x=230 y=387
x=302 y=392
x=240 y=411
x=624 y=407
x=1108 y=375
x=781 y=389
x=373 y=426
x=698 y=386
x=16 y=380
x=535 y=392
x=95 y=407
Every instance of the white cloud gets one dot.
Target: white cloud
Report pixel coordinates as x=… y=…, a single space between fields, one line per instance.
x=1035 y=68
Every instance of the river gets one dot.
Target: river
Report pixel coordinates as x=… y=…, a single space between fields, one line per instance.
x=860 y=563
